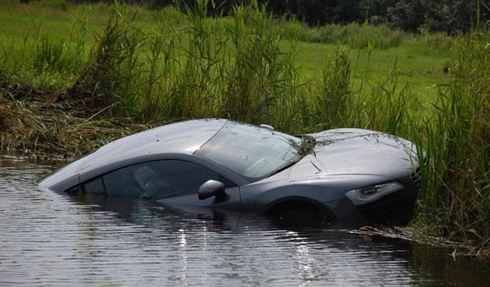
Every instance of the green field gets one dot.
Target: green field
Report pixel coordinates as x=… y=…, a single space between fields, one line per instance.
x=74 y=77
x=415 y=60
x=422 y=70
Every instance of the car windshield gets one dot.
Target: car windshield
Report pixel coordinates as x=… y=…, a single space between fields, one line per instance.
x=254 y=152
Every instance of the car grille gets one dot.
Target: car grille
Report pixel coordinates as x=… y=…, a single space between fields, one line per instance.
x=393 y=209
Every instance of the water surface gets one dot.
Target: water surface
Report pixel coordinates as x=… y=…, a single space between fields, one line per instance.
x=50 y=239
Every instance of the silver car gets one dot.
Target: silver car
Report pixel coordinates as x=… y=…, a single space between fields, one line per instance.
x=338 y=175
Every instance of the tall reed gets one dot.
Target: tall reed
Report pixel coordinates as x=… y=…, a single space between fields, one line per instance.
x=260 y=73
x=112 y=73
x=333 y=91
x=456 y=198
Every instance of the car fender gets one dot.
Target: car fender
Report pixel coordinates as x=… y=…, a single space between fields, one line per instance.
x=332 y=204
x=264 y=196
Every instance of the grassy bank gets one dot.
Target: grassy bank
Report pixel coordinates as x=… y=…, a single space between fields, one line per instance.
x=88 y=74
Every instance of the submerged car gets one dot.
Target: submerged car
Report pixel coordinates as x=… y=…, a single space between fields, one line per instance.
x=339 y=175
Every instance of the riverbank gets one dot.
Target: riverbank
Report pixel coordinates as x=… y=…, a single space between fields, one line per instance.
x=49 y=125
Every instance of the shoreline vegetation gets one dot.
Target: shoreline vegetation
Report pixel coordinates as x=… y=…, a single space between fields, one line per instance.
x=74 y=77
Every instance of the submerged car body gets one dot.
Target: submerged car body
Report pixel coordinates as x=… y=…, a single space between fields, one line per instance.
x=346 y=175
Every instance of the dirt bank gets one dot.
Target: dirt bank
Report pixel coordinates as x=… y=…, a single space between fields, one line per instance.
x=40 y=123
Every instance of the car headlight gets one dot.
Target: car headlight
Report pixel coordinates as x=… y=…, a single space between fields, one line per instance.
x=372 y=193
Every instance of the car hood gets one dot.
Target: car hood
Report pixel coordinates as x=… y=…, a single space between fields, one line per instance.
x=357 y=151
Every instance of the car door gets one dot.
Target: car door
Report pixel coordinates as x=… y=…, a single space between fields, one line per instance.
x=168 y=181
x=183 y=179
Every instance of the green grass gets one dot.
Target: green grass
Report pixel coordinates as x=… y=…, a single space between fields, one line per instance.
x=423 y=71
x=421 y=67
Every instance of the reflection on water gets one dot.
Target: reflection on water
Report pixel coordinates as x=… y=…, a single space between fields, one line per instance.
x=50 y=239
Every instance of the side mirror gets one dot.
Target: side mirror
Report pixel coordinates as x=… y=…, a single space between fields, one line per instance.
x=212 y=188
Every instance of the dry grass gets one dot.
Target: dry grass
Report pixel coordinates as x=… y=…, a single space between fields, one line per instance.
x=44 y=124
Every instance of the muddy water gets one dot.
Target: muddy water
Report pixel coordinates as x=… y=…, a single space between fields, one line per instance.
x=49 y=239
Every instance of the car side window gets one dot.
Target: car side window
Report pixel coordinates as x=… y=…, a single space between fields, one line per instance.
x=170 y=178
x=155 y=179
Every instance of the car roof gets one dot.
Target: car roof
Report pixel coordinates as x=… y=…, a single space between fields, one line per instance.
x=177 y=138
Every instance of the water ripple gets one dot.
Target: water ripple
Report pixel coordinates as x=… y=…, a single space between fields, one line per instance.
x=49 y=239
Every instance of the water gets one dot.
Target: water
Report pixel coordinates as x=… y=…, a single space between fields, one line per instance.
x=49 y=239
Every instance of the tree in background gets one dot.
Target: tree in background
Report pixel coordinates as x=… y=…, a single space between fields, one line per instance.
x=408 y=15
x=451 y=16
